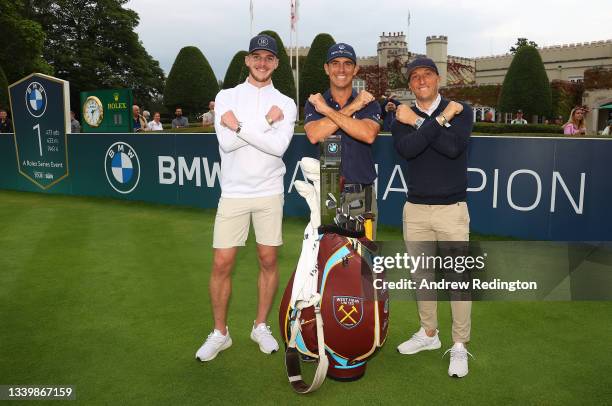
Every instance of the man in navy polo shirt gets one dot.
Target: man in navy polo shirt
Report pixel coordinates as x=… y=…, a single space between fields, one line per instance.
x=356 y=117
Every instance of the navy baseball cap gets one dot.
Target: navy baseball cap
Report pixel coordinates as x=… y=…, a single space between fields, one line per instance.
x=421 y=63
x=341 y=50
x=263 y=42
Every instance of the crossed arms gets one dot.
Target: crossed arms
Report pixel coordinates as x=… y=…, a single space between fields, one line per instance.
x=364 y=130
x=449 y=141
x=270 y=133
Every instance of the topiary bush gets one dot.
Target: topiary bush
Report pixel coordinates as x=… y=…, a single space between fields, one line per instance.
x=4 y=100
x=283 y=75
x=191 y=83
x=313 y=78
x=526 y=85
x=237 y=71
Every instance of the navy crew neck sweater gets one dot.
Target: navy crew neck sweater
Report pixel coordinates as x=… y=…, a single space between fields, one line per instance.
x=436 y=156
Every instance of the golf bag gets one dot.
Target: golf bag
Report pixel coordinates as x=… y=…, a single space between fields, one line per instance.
x=330 y=310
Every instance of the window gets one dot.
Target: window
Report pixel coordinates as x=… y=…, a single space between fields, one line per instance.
x=575 y=79
x=359 y=84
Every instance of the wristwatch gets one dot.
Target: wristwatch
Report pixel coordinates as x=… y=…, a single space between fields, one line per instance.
x=419 y=122
x=238 y=129
x=444 y=120
x=269 y=120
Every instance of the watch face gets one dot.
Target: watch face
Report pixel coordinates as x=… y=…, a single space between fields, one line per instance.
x=93 y=112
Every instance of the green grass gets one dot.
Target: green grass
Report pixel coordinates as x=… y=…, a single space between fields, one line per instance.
x=112 y=297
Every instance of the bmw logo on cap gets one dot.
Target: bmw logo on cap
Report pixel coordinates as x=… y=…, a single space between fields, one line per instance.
x=332 y=147
x=262 y=42
x=122 y=167
x=36 y=99
x=341 y=46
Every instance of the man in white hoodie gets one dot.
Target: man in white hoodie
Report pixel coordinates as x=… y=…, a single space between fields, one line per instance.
x=254 y=123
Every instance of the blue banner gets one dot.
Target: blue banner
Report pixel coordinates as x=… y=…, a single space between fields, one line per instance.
x=531 y=188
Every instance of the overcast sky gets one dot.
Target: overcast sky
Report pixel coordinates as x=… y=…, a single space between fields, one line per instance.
x=474 y=27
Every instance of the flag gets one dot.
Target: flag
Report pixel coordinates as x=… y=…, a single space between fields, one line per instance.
x=294 y=13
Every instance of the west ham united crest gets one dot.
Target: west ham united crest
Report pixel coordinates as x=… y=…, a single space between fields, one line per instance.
x=122 y=167
x=348 y=310
x=36 y=99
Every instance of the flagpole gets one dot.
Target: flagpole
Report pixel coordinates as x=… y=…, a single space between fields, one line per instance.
x=297 y=61
x=291 y=47
x=251 y=11
x=408 y=33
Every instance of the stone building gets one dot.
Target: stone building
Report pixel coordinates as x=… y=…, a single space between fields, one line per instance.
x=383 y=72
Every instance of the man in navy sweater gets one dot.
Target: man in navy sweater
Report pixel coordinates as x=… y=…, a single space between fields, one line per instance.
x=433 y=137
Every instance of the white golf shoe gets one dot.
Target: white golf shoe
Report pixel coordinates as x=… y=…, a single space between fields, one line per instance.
x=214 y=344
x=458 y=366
x=262 y=335
x=419 y=342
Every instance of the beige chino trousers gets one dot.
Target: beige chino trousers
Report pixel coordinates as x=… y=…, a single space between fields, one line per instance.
x=422 y=225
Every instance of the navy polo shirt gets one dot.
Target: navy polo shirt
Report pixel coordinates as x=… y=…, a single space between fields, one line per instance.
x=357 y=160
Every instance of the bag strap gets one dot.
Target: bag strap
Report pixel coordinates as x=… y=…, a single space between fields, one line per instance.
x=292 y=355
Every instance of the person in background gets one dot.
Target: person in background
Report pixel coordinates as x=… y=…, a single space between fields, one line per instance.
x=179 y=121
x=75 y=126
x=156 y=124
x=575 y=124
x=146 y=115
x=389 y=109
x=519 y=118
x=608 y=129
x=5 y=123
x=488 y=118
x=138 y=122
x=208 y=118
x=384 y=101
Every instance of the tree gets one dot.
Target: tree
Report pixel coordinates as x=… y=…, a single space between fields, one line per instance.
x=521 y=42
x=92 y=44
x=191 y=82
x=4 y=100
x=283 y=75
x=22 y=42
x=236 y=71
x=526 y=84
x=313 y=78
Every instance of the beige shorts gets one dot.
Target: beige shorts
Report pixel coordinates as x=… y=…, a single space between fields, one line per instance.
x=233 y=220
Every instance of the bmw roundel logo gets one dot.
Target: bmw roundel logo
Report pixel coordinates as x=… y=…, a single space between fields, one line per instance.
x=341 y=46
x=36 y=99
x=332 y=147
x=262 y=42
x=122 y=167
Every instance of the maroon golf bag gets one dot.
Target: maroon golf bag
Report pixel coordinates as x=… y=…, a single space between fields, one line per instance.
x=346 y=322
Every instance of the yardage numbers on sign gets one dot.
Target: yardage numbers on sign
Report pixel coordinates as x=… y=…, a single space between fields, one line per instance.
x=40 y=106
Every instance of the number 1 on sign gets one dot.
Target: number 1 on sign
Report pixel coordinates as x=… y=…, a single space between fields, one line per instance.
x=37 y=127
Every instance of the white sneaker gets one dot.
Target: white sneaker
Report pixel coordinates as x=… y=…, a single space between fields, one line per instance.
x=419 y=342
x=262 y=335
x=458 y=366
x=214 y=344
